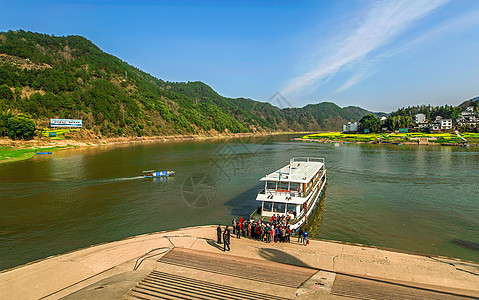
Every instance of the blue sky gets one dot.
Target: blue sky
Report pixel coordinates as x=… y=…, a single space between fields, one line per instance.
x=379 y=55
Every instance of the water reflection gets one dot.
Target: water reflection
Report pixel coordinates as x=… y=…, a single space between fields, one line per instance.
x=446 y=158
x=467 y=244
x=163 y=179
x=314 y=222
x=66 y=166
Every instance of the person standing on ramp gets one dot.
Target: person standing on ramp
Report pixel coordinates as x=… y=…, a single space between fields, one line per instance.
x=226 y=239
x=218 y=233
x=238 y=230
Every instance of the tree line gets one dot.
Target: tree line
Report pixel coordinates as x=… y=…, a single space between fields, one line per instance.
x=404 y=117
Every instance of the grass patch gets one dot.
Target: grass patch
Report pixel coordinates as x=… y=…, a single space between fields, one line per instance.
x=422 y=135
x=8 y=154
x=471 y=137
x=60 y=133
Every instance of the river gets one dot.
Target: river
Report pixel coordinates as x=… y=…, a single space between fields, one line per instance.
x=415 y=198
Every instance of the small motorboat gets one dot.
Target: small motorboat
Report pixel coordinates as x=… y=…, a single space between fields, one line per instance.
x=152 y=173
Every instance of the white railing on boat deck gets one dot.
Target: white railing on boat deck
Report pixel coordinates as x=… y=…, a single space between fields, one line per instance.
x=307 y=159
x=311 y=188
x=282 y=193
x=293 y=193
x=305 y=210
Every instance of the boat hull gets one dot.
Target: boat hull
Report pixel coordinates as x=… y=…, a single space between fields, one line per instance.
x=160 y=174
x=294 y=227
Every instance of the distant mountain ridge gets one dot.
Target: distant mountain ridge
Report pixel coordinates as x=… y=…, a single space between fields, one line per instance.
x=70 y=77
x=471 y=102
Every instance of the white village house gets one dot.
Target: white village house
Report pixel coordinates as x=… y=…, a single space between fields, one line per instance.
x=351 y=127
x=446 y=124
x=468 y=118
x=420 y=119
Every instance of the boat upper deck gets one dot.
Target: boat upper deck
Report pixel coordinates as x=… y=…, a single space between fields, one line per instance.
x=300 y=170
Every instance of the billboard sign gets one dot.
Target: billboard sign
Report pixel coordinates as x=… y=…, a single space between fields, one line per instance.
x=65 y=123
x=403 y=130
x=366 y=130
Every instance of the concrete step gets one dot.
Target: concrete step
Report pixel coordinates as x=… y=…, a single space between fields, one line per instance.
x=160 y=285
x=368 y=288
x=247 y=268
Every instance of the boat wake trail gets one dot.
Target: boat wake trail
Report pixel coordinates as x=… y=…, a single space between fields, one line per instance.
x=26 y=190
x=123 y=179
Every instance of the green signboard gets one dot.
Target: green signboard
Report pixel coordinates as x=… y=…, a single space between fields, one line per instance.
x=366 y=130
x=52 y=134
x=403 y=130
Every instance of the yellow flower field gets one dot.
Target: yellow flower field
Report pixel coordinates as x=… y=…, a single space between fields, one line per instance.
x=392 y=137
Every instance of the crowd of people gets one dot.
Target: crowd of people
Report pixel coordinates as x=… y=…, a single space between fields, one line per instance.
x=276 y=231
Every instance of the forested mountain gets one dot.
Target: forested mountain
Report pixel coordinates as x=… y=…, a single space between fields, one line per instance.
x=471 y=102
x=43 y=77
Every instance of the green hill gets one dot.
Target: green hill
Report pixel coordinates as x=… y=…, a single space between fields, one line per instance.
x=45 y=77
x=471 y=102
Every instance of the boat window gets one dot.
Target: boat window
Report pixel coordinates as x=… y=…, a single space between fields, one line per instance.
x=271 y=185
x=291 y=208
x=267 y=206
x=295 y=186
x=283 y=186
x=279 y=207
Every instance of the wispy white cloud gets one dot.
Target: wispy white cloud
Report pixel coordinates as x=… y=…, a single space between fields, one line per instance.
x=352 y=81
x=447 y=27
x=383 y=23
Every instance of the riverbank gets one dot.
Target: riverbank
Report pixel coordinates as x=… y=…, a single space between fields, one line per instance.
x=323 y=269
x=413 y=138
x=15 y=150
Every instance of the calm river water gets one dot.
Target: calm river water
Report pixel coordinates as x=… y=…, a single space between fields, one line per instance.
x=422 y=199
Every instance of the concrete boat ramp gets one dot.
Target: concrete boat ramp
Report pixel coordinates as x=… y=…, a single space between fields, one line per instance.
x=188 y=264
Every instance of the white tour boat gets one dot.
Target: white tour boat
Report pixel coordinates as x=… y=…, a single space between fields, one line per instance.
x=295 y=189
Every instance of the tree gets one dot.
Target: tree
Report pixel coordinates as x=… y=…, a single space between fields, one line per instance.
x=6 y=93
x=4 y=116
x=20 y=127
x=370 y=122
x=18 y=94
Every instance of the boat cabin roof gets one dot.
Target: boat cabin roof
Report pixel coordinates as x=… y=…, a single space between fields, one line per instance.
x=301 y=171
x=150 y=171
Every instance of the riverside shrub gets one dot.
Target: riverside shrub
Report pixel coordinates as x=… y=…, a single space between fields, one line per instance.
x=19 y=127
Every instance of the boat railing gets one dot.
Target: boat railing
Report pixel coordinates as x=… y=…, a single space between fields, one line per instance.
x=307 y=159
x=305 y=209
x=257 y=212
x=293 y=193
x=315 y=182
x=308 y=206
x=281 y=193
